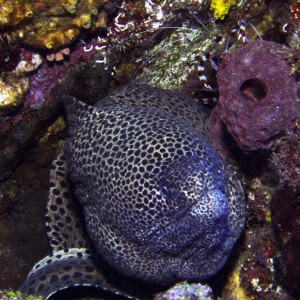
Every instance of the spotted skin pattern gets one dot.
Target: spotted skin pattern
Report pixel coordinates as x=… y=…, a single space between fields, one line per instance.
x=159 y=202
x=64 y=225
x=67 y=269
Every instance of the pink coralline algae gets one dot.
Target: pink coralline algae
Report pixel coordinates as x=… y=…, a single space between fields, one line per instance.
x=258 y=96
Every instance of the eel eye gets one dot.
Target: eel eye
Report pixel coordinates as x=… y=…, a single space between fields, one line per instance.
x=173 y=196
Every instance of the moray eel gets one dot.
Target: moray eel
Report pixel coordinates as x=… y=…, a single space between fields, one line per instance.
x=159 y=203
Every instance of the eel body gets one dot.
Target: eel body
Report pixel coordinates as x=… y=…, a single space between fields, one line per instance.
x=140 y=183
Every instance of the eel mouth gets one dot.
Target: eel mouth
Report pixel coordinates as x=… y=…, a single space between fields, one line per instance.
x=190 y=231
x=197 y=254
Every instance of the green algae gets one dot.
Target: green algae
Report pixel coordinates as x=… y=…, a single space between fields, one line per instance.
x=169 y=63
x=16 y=295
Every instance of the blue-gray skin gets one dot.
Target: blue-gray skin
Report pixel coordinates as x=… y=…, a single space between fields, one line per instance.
x=159 y=202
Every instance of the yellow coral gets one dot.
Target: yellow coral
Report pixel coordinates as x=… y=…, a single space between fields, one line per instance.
x=221 y=8
x=71 y=34
x=83 y=21
x=14 y=12
x=57 y=39
x=53 y=39
x=102 y=20
x=234 y=287
x=268 y=216
x=70 y=6
x=50 y=24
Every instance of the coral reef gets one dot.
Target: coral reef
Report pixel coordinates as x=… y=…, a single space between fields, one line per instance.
x=254 y=275
x=258 y=94
x=295 y=10
x=15 y=12
x=190 y=5
x=286 y=216
x=286 y=208
x=171 y=44
x=51 y=24
x=14 y=82
x=234 y=289
x=144 y=26
x=38 y=107
x=221 y=8
x=10 y=55
x=187 y=59
x=58 y=56
x=179 y=54
x=54 y=24
x=38 y=110
x=12 y=93
x=286 y=159
x=185 y=291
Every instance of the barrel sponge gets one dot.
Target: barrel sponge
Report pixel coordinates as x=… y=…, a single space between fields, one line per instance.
x=258 y=94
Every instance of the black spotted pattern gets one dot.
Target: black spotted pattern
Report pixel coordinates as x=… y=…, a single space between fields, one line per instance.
x=64 y=224
x=159 y=202
x=63 y=270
